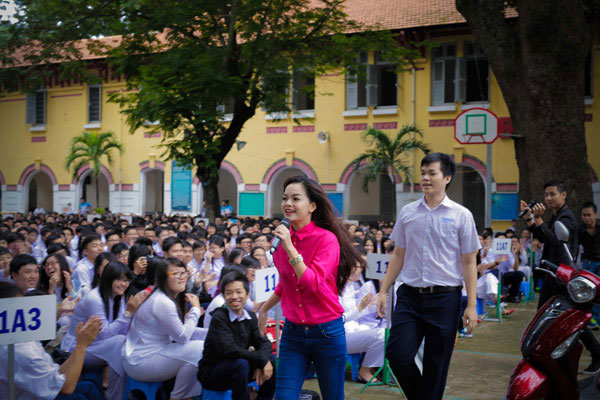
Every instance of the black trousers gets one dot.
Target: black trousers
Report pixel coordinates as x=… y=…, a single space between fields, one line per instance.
x=417 y=316
x=235 y=375
x=512 y=280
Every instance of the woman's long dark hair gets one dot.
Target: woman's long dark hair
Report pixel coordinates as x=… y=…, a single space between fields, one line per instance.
x=324 y=217
x=160 y=278
x=219 y=241
x=44 y=281
x=235 y=253
x=104 y=256
x=113 y=270
x=136 y=251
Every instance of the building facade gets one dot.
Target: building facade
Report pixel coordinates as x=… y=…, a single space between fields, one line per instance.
x=36 y=130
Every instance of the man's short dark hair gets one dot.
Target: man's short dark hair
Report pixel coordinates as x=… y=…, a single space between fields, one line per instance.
x=589 y=204
x=231 y=277
x=8 y=289
x=560 y=185
x=447 y=164
x=20 y=261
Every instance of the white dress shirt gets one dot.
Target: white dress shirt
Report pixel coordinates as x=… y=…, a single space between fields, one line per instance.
x=434 y=241
x=84 y=273
x=37 y=376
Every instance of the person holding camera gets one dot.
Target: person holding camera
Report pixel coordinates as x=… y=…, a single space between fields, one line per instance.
x=555 y=196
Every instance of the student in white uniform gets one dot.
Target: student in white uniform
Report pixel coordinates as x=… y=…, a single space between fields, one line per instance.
x=163 y=341
x=108 y=302
x=37 y=376
x=361 y=338
x=55 y=277
x=219 y=300
x=84 y=271
x=5 y=259
x=215 y=259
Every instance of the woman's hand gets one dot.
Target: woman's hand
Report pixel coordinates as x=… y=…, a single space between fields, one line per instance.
x=193 y=300
x=203 y=276
x=54 y=281
x=262 y=322
x=68 y=305
x=136 y=301
x=365 y=301
x=68 y=283
x=283 y=234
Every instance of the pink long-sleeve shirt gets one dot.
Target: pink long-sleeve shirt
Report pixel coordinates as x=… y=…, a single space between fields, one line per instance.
x=312 y=299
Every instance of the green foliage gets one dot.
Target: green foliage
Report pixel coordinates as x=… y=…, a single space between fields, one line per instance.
x=385 y=154
x=91 y=148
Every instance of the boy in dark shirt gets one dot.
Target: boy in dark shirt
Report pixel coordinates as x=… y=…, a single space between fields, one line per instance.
x=226 y=362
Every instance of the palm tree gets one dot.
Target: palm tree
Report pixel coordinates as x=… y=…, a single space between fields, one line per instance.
x=385 y=155
x=91 y=147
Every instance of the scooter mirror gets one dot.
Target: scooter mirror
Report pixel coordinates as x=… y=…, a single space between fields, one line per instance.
x=561 y=231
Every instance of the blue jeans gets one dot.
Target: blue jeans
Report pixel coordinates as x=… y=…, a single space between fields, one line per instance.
x=594 y=268
x=84 y=390
x=325 y=346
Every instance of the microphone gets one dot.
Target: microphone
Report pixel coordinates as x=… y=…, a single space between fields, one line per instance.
x=275 y=243
x=529 y=205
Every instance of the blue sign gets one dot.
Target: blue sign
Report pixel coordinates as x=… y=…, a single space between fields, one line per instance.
x=181 y=188
x=505 y=206
x=337 y=199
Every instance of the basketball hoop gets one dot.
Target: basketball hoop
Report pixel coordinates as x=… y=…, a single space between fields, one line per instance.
x=476 y=126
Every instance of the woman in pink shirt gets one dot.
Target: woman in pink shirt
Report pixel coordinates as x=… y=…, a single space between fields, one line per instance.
x=314 y=261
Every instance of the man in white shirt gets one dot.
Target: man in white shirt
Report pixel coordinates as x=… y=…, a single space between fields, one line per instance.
x=436 y=246
x=37 y=376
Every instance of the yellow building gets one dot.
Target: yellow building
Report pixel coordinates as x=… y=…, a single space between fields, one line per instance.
x=36 y=130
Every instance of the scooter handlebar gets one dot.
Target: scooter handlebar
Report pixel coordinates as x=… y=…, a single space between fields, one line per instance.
x=551 y=266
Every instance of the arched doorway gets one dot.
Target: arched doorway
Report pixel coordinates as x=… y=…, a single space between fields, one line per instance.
x=153 y=187
x=276 y=189
x=227 y=188
x=468 y=189
x=39 y=190
x=86 y=188
x=376 y=205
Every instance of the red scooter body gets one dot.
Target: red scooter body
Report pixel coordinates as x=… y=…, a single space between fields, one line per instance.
x=559 y=322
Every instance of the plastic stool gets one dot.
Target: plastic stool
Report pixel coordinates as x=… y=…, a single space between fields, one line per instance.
x=94 y=376
x=213 y=395
x=524 y=288
x=354 y=361
x=149 y=389
x=480 y=307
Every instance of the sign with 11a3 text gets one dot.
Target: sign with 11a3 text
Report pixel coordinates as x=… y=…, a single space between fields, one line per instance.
x=25 y=319
x=264 y=283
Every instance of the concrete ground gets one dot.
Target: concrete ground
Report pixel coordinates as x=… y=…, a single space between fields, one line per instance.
x=480 y=366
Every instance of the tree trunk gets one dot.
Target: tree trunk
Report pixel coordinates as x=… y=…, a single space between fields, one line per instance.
x=97 y=192
x=538 y=60
x=211 y=193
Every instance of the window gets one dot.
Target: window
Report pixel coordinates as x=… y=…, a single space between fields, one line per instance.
x=227 y=108
x=356 y=85
x=303 y=85
x=477 y=74
x=36 y=107
x=94 y=103
x=443 y=72
x=382 y=86
x=588 y=77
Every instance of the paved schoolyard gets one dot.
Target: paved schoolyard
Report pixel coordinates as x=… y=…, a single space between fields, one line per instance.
x=480 y=365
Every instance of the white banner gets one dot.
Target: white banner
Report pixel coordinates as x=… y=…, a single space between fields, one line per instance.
x=25 y=319
x=264 y=283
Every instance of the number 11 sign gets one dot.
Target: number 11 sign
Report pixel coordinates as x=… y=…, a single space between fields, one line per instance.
x=377 y=265
x=264 y=284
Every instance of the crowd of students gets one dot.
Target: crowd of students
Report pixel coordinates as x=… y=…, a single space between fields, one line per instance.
x=131 y=296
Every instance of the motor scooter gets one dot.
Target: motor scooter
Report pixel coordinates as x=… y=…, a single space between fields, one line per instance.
x=550 y=343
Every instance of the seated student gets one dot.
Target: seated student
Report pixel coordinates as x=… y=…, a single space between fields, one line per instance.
x=91 y=246
x=227 y=363
x=101 y=262
x=199 y=249
x=121 y=251
x=5 y=259
x=24 y=272
x=108 y=302
x=509 y=268
x=163 y=341
x=215 y=259
x=361 y=338
x=187 y=252
x=55 y=277
x=57 y=248
x=38 y=376
x=137 y=263
x=219 y=300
